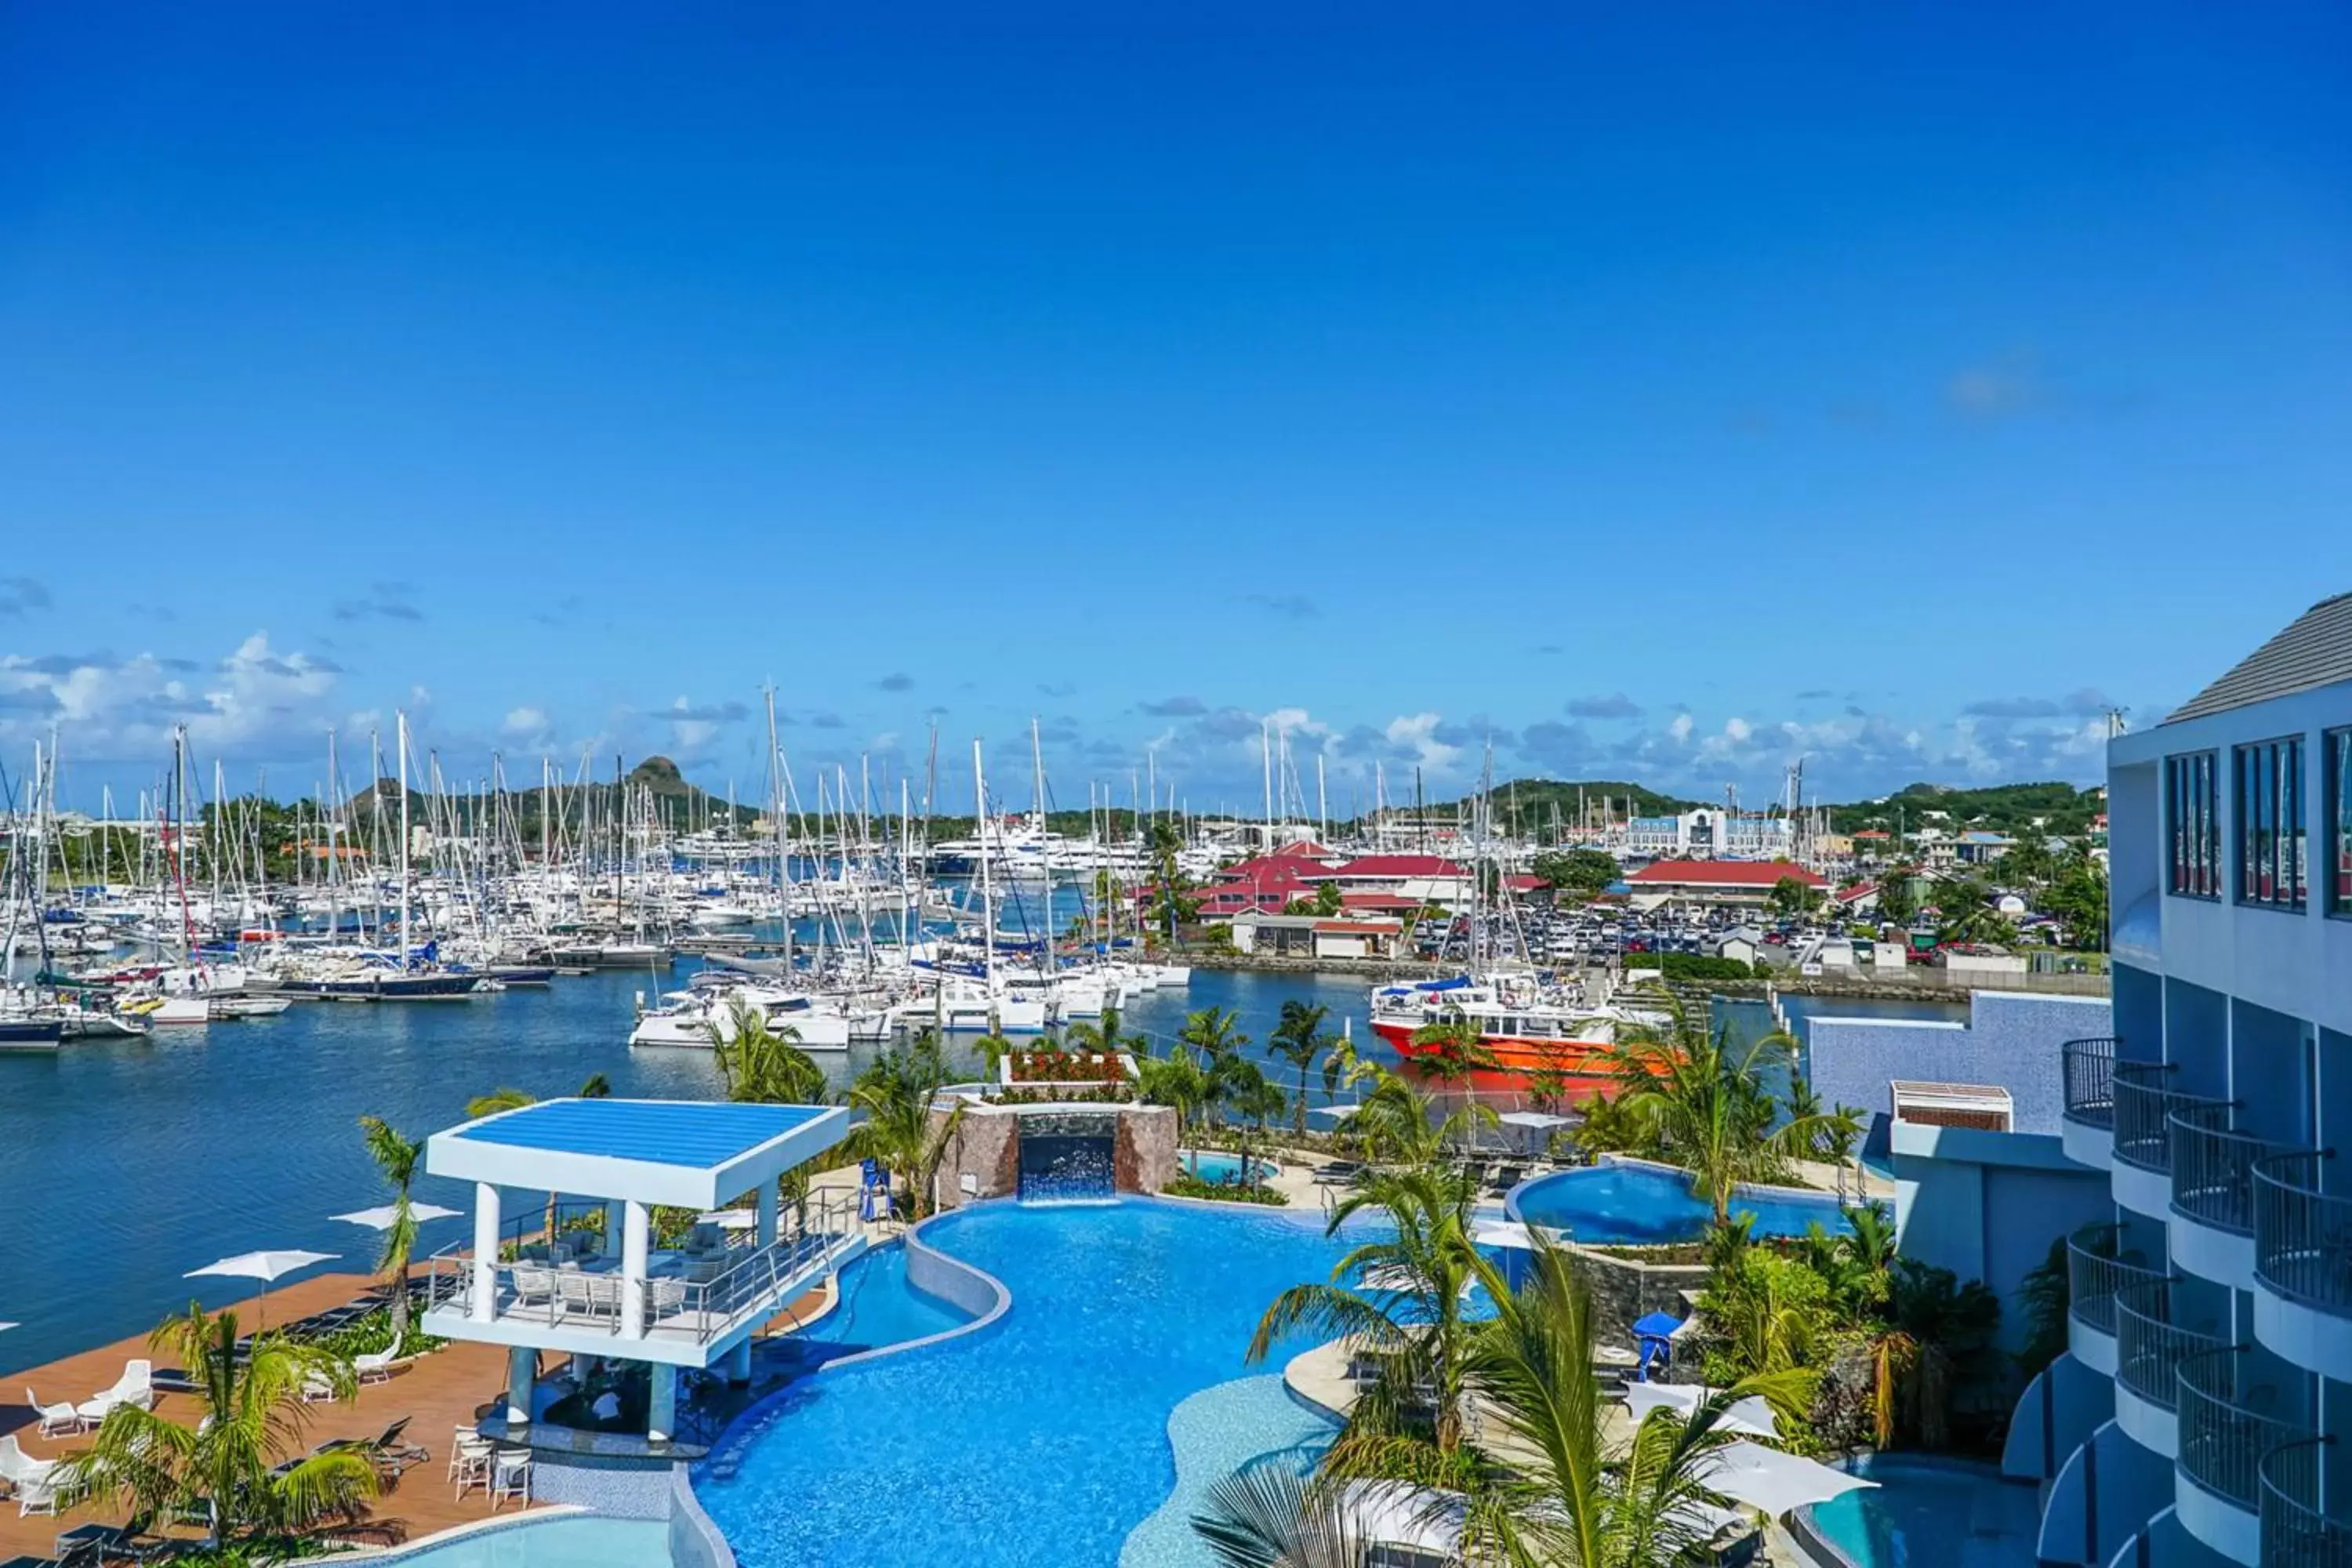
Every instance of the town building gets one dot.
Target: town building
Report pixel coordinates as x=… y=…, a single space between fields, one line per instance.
x=1712 y=884
x=2193 y=1419
x=1316 y=936
x=1708 y=832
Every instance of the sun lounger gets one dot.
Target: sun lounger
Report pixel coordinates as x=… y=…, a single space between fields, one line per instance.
x=58 y=1419
x=376 y=1366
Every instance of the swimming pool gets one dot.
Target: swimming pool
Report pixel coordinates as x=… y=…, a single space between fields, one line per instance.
x=876 y=1307
x=1042 y=1439
x=575 y=1540
x=1924 y=1514
x=1215 y=1165
x=1636 y=1203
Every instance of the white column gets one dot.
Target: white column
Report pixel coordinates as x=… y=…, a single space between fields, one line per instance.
x=738 y=1363
x=637 y=1226
x=767 y=1213
x=522 y=1378
x=486 y=1251
x=661 y=1417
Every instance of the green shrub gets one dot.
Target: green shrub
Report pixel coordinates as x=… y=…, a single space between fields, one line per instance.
x=1188 y=1185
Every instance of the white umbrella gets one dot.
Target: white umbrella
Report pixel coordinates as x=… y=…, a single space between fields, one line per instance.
x=1403 y=1514
x=6 y=1327
x=265 y=1267
x=728 y=1219
x=1504 y=1233
x=1336 y=1112
x=1542 y=1120
x=1770 y=1481
x=1751 y=1415
x=384 y=1217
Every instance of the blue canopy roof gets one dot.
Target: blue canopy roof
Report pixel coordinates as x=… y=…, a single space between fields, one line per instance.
x=696 y=1133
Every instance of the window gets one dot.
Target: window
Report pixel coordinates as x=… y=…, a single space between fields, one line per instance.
x=2336 y=848
x=2192 y=819
x=2270 y=839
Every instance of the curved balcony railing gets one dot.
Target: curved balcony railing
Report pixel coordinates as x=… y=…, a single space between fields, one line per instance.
x=2144 y=1102
x=2098 y=1272
x=2213 y=1168
x=2149 y=1349
x=2303 y=1237
x=2224 y=1433
x=2295 y=1534
x=2090 y=1071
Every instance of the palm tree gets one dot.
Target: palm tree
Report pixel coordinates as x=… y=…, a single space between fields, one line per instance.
x=1936 y=1333
x=1706 y=1104
x=1299 y=1039
x=225 y=1469
x=762 y=1065
x=1395 y=1122
x=1406 y=1308
x=1559 y=1492
x=1255 y=1098
x=1216 y=1037
x=1105 y=1037
x=396 y=1157
x=1176 y=1080
x=1452 y=1054
x=901 y=1132
x=1268 y=1514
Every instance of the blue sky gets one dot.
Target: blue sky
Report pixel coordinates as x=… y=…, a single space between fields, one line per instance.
x=1655 y=395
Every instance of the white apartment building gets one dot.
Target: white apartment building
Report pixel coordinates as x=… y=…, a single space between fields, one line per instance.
x=2197 y=1415
x=1711 y=833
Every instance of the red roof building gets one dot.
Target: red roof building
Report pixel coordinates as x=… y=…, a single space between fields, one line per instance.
x=1715 y=882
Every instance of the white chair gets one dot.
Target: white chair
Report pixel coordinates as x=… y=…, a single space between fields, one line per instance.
x=136 y=1386
x=510 y=1477
x=666 y=1297
x=56 y=1420
x=376 y=1366
x=34 y=1480
x=574 y=1292
x=316 y=1388
x=469 y=1459
x=533 y=1286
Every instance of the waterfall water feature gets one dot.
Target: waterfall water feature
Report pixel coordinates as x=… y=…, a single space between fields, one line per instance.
x=1067 y=1158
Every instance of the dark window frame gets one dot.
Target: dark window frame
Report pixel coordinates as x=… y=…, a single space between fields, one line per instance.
x=2270 y=826
x=2192 y=826
x=2336 y=752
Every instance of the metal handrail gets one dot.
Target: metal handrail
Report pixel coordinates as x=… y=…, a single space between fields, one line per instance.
x=2144 y=1109
x=2089 y=1067
x=2096 y=1274
x=2222 y=1439
x=2303 y=1237
x=2295 y=1533
x=2213 y=1168
x=825 y=1226
x=2149 y=1349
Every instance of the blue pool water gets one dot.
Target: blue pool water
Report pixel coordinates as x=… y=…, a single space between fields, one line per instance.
x=576 y=1541
x=1638 y=1203
x=877 y=1307
x=1042 y=1439
x=1922 y=1515
x=1214 y=1166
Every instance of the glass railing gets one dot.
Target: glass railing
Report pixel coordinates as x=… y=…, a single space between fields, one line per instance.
x=2090 y=1071
x=2295 y=1534
x=2144 y=1102
x=2213 y=1168
x=2303 y=1237
x=2096 y=1273
x=2223 y=1435
x=2149 y=1350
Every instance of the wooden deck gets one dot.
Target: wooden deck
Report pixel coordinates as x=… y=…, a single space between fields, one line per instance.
x=439 y=1393
x=452 y=1388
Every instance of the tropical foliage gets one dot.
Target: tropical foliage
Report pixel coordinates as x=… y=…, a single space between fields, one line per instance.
x=762 y=1064
x=905 y=1129
x=1704 y=1105
x=396 y=1156
x=242 y=1470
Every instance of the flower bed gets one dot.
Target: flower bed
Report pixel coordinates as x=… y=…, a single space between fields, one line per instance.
x=1065 y=1068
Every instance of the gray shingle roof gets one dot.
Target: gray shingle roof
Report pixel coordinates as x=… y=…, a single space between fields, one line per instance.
x=2315 y=650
